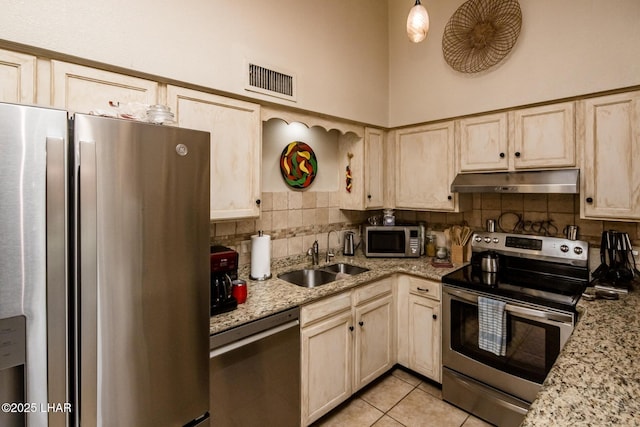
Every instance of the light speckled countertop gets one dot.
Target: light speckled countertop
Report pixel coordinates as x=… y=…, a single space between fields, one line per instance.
x=594 y=382
x=596 y=379
x=275 y=295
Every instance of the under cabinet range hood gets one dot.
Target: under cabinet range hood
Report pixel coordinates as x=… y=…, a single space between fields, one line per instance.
x=543 y=181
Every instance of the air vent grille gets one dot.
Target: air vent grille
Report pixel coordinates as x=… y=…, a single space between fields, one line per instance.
x=271 y=82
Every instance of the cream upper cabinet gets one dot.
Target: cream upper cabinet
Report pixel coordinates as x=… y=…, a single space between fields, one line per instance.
x=484 y=143
x=610 y=128
x=528 y=138
x=373 y=171
x=544 y=137
x=81 y=89
x=236 y=148
x=419 y=325
x=365 y=160
x=17 y=77
x=425 y=168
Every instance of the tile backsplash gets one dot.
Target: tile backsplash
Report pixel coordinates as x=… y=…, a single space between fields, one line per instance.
x=295 y=219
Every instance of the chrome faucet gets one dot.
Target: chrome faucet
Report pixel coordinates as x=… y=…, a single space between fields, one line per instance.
x=314 y=252
x=329 y=253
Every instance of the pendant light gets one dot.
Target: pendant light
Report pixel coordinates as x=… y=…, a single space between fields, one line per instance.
x=417 y=23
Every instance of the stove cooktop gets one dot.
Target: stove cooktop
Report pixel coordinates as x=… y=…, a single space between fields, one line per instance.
x=540 y=289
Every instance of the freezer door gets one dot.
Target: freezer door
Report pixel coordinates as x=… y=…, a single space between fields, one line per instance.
x=33 y=261
x=143 y=273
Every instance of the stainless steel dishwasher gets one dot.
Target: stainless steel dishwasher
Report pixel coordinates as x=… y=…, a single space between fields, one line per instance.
x=255 y=373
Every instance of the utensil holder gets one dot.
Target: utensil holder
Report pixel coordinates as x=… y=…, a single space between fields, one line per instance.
x=459 y=254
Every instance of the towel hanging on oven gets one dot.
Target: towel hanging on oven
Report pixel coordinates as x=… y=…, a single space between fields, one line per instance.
x=492 y=321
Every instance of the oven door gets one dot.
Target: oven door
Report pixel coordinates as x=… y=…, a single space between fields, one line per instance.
x=535 y=337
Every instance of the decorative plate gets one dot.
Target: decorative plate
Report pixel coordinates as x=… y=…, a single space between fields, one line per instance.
x=480 y=34
x=298 y=165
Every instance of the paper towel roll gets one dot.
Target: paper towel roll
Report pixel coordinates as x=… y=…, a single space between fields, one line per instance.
x=260 y=257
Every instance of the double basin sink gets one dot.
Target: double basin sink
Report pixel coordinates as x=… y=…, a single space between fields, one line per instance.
x=312 y=277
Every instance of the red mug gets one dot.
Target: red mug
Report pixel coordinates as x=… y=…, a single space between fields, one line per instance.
x=239 y=290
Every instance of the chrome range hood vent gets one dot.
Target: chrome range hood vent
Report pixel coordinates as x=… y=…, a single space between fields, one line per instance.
x=545 y=181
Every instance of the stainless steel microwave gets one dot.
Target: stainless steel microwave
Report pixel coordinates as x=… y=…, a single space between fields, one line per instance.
x=392 y=241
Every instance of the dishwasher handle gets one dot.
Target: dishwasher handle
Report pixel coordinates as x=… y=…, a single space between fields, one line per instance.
x=253 y=338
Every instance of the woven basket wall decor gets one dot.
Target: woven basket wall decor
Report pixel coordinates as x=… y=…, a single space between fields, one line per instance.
x=480 y=34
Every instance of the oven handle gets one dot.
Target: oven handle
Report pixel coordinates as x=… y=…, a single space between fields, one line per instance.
x=522 y=311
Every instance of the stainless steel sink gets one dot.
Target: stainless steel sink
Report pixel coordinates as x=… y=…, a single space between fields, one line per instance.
x=345 y=268
x=308 y=278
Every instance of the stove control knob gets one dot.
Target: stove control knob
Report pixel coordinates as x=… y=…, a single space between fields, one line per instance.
x=564 y=248
x=496 y=240
x=487 y=239
x=478 y=239
x=577 y=250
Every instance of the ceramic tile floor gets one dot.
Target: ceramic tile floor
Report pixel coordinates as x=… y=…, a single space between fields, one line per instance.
x=399 y=399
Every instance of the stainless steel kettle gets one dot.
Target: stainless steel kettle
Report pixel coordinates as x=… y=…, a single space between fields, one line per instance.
x=349 y=247
x=490 y=262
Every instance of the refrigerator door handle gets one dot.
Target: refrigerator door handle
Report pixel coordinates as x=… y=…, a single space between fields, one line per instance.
x=57 y=274
x=87 y=328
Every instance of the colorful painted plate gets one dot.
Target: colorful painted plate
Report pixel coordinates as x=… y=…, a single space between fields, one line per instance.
x=298 y=165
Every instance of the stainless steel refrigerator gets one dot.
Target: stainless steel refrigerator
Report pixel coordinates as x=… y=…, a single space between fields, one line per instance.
x=104 y=271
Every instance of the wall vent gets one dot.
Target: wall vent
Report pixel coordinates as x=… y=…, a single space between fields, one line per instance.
x=271 y=82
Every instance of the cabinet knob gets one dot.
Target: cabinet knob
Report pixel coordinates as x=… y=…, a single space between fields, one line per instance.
x=502 y=155
x=369 y=196
x=351 y=328
x=435 y=316
x=589 y=199
x=449 y=197
x=517 y=154
x=361 y=323
x=258 y=201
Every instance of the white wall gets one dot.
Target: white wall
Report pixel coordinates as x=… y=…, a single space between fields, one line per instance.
x=566 y=48
x=352 y=57
x=337 y=48
x=277 y=134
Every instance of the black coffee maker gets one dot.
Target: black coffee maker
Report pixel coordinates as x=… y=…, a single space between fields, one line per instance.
x=224 y=269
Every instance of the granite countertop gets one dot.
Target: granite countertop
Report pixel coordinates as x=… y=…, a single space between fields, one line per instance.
x=275 y=295
x=596 y=379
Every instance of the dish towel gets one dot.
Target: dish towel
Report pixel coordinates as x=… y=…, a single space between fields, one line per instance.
x=492 y=322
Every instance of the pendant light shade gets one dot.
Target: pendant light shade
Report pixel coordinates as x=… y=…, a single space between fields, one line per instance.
x=417 y=23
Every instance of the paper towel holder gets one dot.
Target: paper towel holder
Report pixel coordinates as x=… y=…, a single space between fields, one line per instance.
x=265 y=276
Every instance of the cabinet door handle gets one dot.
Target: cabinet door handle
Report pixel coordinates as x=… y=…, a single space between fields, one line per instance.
x=449 y=197
x=517 y=154
x=435 y=316
x=369 y=196
x=351 y=328
x=589 y=199
x=423 y=289
x=502 y=155
x=361 y=323
x=258 y=202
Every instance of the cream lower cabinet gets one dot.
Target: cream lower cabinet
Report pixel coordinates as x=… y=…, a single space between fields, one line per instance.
x=610 y=129
x=236 y=148
x=346 y=342
x=419 y=326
